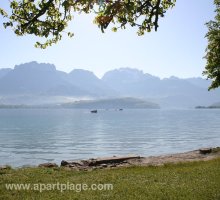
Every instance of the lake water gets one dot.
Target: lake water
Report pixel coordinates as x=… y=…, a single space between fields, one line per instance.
x=33 y=136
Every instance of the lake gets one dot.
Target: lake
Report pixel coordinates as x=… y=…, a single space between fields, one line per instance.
x=33 y=136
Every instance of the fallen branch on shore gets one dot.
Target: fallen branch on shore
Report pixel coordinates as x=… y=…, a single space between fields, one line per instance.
x=99 y=162
x=123 y=161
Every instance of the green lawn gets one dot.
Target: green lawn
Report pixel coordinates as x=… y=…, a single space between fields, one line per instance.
x=197 y=180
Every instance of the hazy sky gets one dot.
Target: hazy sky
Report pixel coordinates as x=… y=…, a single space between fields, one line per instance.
x=177 y=48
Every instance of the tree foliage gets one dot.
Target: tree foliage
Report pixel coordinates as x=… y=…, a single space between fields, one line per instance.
x=212 y=69
x=50 y=18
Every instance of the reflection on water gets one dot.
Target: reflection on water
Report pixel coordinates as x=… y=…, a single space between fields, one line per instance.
x=33 y=136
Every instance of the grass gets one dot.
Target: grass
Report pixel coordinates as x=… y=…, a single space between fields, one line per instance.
x=184 y=181
x=216 y=150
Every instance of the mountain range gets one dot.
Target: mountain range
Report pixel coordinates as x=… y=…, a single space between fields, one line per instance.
x=40 y=83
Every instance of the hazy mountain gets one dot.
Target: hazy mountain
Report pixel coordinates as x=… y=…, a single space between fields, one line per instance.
x=135 y=83
x=30 y=78
x=200 y=82
x=116 y=103
x=4 y=71
x=43 y=79
x=215 y=105
x=40 y=82
x=168 y=92
x=34 y=78
x=131 y=82
x=87 y=81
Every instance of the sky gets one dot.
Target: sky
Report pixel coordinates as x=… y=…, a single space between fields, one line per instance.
x=176 y=49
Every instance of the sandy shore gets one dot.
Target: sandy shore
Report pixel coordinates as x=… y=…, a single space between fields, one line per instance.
x=191 y=156
x=126 y=161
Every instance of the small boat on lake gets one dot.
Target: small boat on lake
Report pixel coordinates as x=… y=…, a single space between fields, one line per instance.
x=93 y=111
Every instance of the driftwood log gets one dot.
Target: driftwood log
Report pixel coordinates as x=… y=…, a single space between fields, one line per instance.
x=98 y=162
x=205 y=150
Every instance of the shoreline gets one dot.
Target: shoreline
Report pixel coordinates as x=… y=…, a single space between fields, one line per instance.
x=203 y=154
x=198 y=180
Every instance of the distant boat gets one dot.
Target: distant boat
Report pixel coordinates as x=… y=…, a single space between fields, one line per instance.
x=120 y=109
x=93 y=111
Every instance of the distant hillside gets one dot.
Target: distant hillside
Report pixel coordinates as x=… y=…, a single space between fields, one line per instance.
x=216 y=105
x=30 y=78
x=43 y=79
x=132 y=82
x=4 y=71
x=87 y=81
x=203 y=83
x=169 y=92
x=118 y=103
x=39 y=83
x=213 y=106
